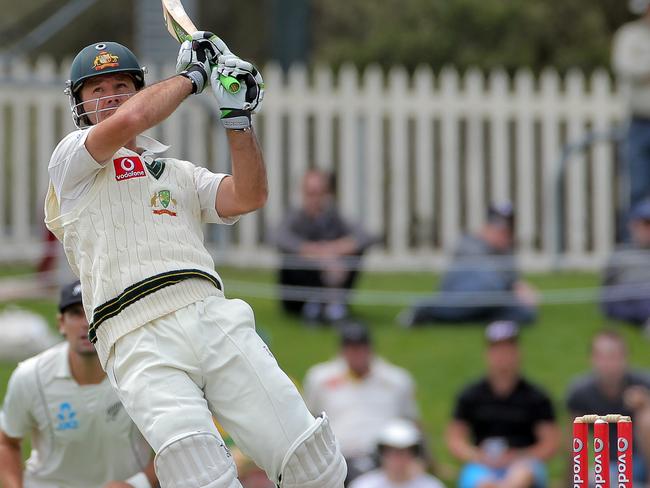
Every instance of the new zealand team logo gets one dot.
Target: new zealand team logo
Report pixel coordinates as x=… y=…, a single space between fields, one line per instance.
x=162 y=203
x=113 y=410
x=127 y=168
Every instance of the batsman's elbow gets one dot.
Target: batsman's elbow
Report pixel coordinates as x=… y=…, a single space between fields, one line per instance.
x=262 y=198
x=251 y=202
x=256 y=202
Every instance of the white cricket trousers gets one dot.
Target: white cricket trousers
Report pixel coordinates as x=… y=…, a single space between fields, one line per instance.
x=206 y=359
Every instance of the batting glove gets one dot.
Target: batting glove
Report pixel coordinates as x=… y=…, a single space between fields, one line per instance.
x=211 y=43
x=194 y=64
x=236 y=108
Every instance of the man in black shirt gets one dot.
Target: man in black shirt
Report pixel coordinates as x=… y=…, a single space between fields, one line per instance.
x=613 y=387
x=503 y=426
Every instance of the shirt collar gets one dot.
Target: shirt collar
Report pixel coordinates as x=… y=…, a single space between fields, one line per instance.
x=62 y=368
x=150 y=145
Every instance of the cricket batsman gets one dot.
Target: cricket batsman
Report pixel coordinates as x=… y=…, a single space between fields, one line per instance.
x=175 y=349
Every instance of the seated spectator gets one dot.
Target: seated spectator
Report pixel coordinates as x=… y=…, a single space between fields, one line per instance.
x=321 y=254
x=482 y=283
x=626 y=283
x=401 y=459
x=613 y=387
x=503 y=426
x=361 y=393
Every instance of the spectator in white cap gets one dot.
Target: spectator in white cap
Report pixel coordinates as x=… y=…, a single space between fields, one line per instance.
x=402 y=460
x=503 y=428
x=631 y=63
x=81 y=435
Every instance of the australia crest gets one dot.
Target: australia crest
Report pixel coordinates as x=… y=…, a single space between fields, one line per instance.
x=105 y=60
x=162 y=203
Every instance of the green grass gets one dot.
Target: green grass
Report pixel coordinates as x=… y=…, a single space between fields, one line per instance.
x=443 y=358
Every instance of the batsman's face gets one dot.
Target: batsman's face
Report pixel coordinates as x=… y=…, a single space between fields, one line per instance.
x=74 y=327
x=102 y=95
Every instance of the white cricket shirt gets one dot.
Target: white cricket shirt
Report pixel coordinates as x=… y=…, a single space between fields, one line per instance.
x=72 y=171
x=81 y=435
x=359 y=408
x=132 y=230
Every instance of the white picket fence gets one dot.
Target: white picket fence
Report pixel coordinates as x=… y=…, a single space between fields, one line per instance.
x=418 y=158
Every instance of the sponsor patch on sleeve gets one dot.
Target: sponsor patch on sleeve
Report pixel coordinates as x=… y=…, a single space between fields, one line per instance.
x=129 y=167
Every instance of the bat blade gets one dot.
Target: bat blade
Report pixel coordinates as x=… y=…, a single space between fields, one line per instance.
x=177 y=21
x=181 y=27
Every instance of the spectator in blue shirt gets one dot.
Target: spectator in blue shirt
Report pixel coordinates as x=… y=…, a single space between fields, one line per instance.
x=626 y=282
x=482 y=283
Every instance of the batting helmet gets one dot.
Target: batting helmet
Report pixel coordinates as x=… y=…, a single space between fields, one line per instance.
x=99 y=59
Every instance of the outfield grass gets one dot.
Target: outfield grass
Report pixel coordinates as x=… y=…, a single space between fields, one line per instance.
x=442 y=359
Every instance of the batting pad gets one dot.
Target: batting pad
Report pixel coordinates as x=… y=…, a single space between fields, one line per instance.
x=196 y=460
x=314 y=460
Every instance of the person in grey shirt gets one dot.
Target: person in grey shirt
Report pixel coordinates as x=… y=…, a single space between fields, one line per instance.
x=482 y=283
x=625 y=294
x=613 y=385
x=321 y=253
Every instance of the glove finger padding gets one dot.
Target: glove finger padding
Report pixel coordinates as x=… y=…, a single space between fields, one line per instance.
x=185 y=56
x=231 y=65
x=236 y=108
x=211 y=43
x=193 y=63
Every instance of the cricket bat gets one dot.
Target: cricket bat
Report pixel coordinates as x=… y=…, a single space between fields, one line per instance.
x=180 y=26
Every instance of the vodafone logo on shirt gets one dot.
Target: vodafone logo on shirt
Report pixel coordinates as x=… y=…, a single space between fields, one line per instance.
x=129 y=167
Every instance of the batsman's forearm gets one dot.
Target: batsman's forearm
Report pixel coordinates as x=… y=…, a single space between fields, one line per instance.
x=155 y=103
x=248 y=170
x=143 y=111
x=11 y=467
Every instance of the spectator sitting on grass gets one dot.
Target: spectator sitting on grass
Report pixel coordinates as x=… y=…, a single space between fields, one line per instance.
x=361 y=393
x=482 y=283
x=626 y=282
x=613 y=387
x=402 y=460
x=503 y=426
x=321 y=254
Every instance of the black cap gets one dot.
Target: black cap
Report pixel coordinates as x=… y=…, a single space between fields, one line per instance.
x=354 y=333
x=501 y=331
x=502 y=213
x=70 y=295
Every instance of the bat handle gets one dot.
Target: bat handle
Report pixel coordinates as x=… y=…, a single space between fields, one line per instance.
x=230 y=83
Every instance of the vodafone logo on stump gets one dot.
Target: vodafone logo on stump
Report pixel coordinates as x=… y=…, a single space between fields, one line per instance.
x=129 y=167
